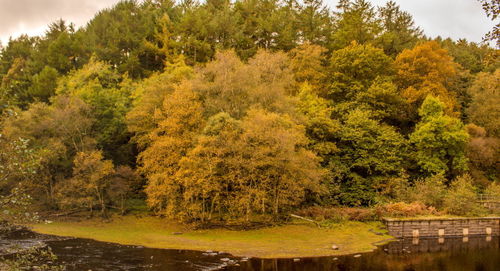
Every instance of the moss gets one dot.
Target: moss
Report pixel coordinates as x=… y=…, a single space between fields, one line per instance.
x=292 y=240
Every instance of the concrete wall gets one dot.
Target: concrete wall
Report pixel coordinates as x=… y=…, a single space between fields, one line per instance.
x=448 y=227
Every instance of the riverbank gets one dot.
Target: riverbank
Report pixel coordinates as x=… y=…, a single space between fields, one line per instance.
x=287 y=241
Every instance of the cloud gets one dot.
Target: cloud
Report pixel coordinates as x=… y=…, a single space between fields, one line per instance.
x=32 y=16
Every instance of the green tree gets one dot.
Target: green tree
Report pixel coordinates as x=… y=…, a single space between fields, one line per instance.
x=439 y=141
x=430 y=191
x=370 y=153
x=44 y=84
x=356 y=21
x=109 y=95
x=461 y=199
x=314 y=22
x=116 y=35
x=354 y=68
x=399 y=30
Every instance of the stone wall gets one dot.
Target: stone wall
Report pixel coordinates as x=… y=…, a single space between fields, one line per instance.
x=447 y=227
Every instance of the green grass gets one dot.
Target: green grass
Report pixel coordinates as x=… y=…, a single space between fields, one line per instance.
x=292 y=240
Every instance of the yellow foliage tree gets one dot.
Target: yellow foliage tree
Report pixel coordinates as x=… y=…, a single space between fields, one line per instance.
x=258 y=165
x=306 y=62
x=91 y=179
x=177 y=123
x=485 y=107
x=427 y=69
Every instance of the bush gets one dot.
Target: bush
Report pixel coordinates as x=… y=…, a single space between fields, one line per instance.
x=319 y=213
x=493 y=189
x=429 y=191
x=34 y=258
x=461 y=198
x=402 y=209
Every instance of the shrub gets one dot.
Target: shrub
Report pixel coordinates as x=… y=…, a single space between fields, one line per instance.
x=395 y=189
x=403 y=209
x=429 y=191
x=461 y=199
x=493 y=189
x=338 y=213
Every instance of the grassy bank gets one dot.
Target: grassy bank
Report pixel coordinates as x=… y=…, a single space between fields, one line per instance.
x=293 y=240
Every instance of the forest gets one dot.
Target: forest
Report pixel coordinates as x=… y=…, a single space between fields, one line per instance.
x=248 y=110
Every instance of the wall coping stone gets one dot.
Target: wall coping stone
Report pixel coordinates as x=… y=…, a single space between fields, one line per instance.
x=386 y=219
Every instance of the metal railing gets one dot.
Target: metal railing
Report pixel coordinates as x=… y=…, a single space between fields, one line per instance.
x=488 y=197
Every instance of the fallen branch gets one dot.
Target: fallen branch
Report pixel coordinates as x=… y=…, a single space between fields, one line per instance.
x=67 y=213
x=306 y=219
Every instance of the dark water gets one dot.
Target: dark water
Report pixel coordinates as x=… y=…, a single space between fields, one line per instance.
x=474 y=253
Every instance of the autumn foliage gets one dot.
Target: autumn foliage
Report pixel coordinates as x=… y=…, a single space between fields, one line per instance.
x=249 y=110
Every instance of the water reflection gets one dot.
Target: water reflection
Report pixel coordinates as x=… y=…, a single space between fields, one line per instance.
x=467 y=253
x=450 y=254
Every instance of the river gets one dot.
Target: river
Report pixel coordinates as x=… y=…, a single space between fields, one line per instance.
x=473 y=253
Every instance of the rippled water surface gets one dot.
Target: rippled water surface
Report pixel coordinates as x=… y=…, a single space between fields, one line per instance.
x=473 y=253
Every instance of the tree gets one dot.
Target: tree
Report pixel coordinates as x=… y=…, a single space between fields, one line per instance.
x=57 y=131
x=483 y=153
x=90 y=181
x=125 y=184
x=19 y=164
x=163 y=44
x=256 y=166
x=484 y=109
x=61 y=48
x=470 y=55
x=356 y=21
x=116 y=35
x=321 y=129
x=430 y=191
x=426 y=70
x=314 y=22
x=307 y=64
x=492 y=9
x=228 y=85
x=354 y=68
x=399 y=30
x=149 y=94
x=461 y=199
x=439 y=141
x=17 y=160
x=109 y=95
x=177 y=123
x=370 y=153
x=210 y=171
x=44 y=84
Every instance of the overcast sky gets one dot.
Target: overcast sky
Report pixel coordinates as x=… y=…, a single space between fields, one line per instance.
x=447 y=18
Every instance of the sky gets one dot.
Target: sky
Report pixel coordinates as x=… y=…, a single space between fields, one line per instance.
x=445 y=18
